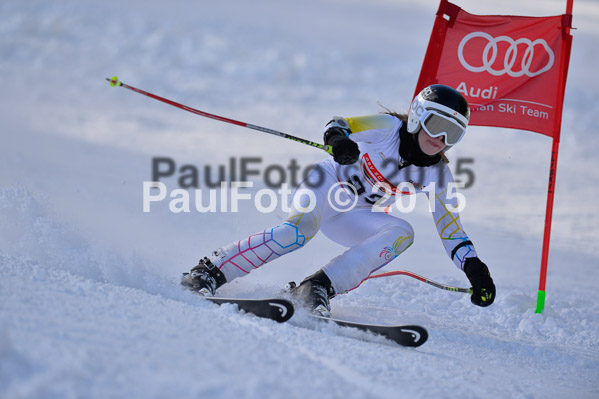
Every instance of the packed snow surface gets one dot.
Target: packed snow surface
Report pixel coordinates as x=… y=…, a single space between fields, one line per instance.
x=90 y=305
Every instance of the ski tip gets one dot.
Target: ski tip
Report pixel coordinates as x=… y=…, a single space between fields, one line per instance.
x=114 y=81
x=419 y=335
x=281 y=309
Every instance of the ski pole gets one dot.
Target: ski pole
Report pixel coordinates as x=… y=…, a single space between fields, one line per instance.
x=114 y=81
x=424 y=280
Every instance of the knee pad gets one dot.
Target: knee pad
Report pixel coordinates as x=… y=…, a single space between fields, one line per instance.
x=306 y=224
x=287 y=237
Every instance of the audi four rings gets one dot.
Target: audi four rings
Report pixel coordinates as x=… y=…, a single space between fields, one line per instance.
x=490 y=52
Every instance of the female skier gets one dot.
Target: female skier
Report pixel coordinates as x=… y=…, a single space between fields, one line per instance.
x=376 y=159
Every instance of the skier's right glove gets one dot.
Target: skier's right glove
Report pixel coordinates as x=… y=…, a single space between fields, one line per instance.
x=483 y=288
x=345 y=150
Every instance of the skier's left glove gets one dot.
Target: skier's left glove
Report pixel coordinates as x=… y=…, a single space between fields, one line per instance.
x=483 y=288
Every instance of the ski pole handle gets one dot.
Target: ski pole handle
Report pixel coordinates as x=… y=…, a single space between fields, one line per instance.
x=114 y=81
x=424 y=280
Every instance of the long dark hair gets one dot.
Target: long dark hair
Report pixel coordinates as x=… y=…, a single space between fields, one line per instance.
x=404 y=119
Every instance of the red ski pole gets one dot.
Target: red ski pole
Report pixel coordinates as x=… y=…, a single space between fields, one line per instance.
x=424 y=280
x=114 y=81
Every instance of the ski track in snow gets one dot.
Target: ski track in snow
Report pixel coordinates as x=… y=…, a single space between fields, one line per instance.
x=90 y=304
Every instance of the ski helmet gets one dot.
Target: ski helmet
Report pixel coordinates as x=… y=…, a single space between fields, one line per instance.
x=441 y=111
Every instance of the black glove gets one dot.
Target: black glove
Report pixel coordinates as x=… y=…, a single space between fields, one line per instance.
x=345 y=151
x=483 y=289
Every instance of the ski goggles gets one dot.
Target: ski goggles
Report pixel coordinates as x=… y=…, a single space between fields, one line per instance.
x=436 y=124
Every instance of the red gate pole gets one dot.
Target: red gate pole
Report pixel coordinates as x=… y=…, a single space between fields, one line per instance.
x=566 y=25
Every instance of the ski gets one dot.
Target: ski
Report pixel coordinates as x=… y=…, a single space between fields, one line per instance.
x=407 y=335
x=279 y=310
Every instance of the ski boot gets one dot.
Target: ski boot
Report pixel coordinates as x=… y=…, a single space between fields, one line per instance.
x=204 y=278
x=315 y=292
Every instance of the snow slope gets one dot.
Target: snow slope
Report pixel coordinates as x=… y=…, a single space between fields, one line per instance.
x=89 y=299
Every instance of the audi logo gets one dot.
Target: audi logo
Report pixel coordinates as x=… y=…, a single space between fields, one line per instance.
x=491 y=51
